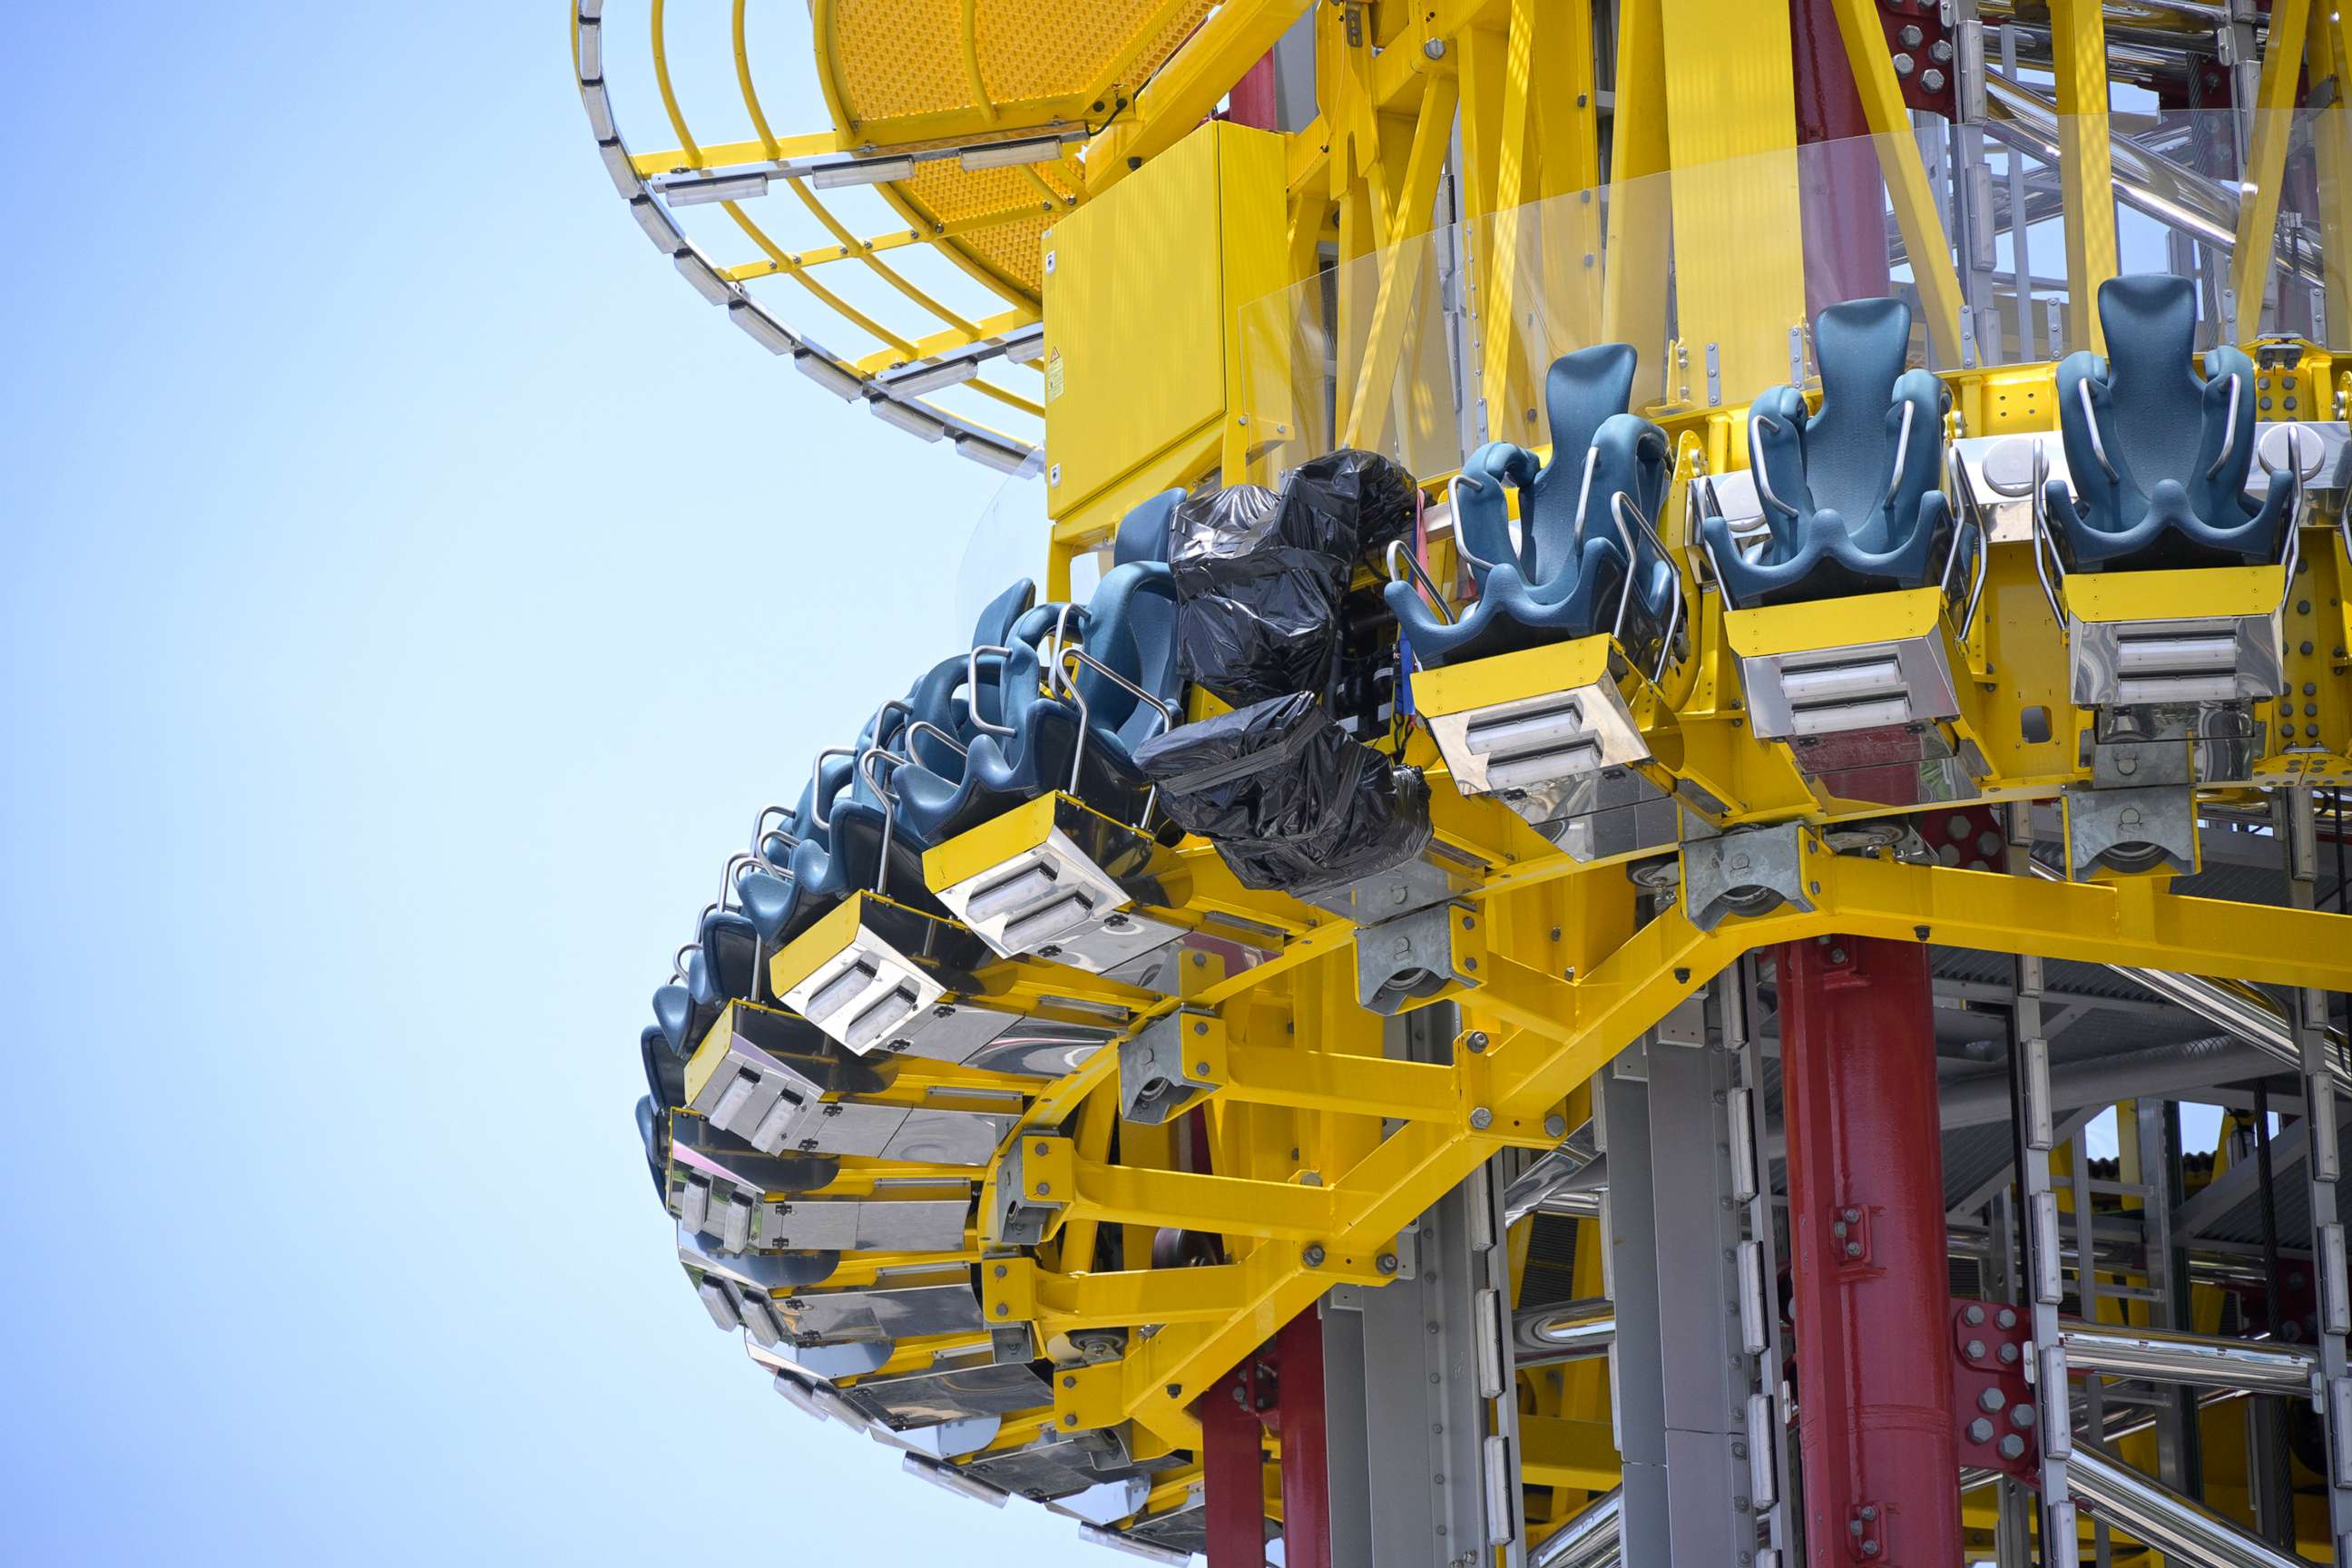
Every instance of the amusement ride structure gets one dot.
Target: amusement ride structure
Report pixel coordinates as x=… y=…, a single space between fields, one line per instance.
x=1649 y=865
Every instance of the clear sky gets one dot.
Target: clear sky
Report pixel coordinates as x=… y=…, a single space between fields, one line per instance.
x=411 y=591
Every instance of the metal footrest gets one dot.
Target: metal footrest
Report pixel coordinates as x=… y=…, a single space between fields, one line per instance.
x=761 y=1076
x=915 y=1302
x=1552 y=733
x=1057 y=880
x=2176 y=639
x=1891 y=670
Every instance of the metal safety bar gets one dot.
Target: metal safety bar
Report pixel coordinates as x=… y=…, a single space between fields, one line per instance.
x=1069 y=683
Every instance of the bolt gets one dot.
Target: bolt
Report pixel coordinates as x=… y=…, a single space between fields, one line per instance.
x=2006 y=1317
x=1974 y=1315
x=1003 y=1311
x=1903 y=64
x=1974 y=1350
x=1201 y=1027
x=1837 y=1229
x=1910 y=35
x=1853 y=1250
x=1932 y=80
x=1869 y=1510
x=1313 y=1256
x=1870 y=1548
x=2008 y=1356
x=2012 y=1447
x=1386 y=1263
x=1071 y=1419
x=1000 y=1271
x=1852 y=1216
x=1044 y=1148
x=1435 y=48
x=1980 y=1430
x=1837 y=956
x=1174 y=1390
x=1044 y=1188
x=1555 y=1126
x=1990 y=1400
x=1853 y=1527
x=1475 y=1041
x=1069 y=1382
x=2020 y=1417
x=1481 y=1118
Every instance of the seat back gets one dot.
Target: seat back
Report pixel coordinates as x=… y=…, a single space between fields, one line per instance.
x=1581 y=391
x=2155 y=426
x=1143 y=531
x=1849 y=449
x=1131 y=631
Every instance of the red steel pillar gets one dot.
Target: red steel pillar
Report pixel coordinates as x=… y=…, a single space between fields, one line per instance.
x=1280 y=1388
x=1837 y=166
x=1867 y=1249
x=1252 y=101
x=1232 y=1497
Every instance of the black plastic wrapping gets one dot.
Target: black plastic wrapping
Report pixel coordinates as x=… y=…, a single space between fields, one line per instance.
x=1289 y=799
x=1261 y=576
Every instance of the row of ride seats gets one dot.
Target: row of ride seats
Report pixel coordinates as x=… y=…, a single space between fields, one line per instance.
x=1851 y=491
x=977 y=734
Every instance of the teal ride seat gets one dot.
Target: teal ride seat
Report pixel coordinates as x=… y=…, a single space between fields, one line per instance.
x=2158 y=455
x=1566 y=575
x=1850 y=491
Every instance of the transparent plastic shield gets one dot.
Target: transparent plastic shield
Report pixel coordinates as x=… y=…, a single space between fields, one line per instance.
x=1007 y=543
x=1715 y=274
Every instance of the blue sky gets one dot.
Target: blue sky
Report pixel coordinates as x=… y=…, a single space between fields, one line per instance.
x=412 y=590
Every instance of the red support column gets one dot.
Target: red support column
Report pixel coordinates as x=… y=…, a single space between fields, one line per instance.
x=1232 y=1497
x=1300 y=1417
x=1252 y=101
x=1867 y=1245
x=1837 y=166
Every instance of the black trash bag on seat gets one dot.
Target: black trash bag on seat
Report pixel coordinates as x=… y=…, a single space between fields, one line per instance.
x=1255 y=615
x=1348 y=502
x=1291 y=801
x=1261 y=576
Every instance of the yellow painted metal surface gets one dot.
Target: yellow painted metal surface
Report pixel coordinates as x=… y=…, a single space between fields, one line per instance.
x=1165 y=260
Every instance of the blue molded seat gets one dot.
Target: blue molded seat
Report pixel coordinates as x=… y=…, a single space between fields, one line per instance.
x=1567 y=576
x=1850 y=491
x=2158 y=455
x=653 y=1132
x=1143 y=531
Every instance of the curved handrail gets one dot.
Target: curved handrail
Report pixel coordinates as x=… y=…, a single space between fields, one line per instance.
x=2230 y=432
x=2042 y=539
x=2091 y=424
x=1414 y=573
x=1454 y=505
x=816 y=784
x=883 y=793
x=971 y=690
x=761 y=832
x=1756 y=466
x=1085 y=725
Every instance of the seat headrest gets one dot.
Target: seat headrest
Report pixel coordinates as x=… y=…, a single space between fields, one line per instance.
x=1143 y=531
x=1582 y=390
x=1861 y=346
x=2151 y=326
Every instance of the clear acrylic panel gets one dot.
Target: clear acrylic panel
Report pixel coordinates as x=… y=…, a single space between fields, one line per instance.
x=1715 y=273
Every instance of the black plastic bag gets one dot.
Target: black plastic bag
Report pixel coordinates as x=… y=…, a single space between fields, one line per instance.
x=1348 y=503
x=1256 y=616
x=1289 y=799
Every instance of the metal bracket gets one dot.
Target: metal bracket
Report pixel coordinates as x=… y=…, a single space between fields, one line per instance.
x=1747 y=871
x=1035 y=1179
x=1169 y=1066
x=2131 y=830
x=1417 y=958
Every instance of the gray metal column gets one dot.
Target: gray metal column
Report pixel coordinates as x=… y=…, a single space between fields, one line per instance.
x=2307 y=1010
x=1772 y=1482
x=2037 y=1206
x=1683 y=1365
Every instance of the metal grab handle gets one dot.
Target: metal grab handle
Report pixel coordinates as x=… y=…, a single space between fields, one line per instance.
x=1060 y=639
x=2091 y=421
x=761 y=832
x=971 y=690
x=917 y=729
x=1674 y=625
x=1454 y=505
x=1694 y=519
x=1584 y=487
x=865 y=761
x=1413 y=573
x=2229 y=433
x=1085 y=722
x=1618 y=507
x=1902 y=455
x=677 y=959
x=2041 y=539
x=1756 y=467
x=816 y=784
x=728 y=876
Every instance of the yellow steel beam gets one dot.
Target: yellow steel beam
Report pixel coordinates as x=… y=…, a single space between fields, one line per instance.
x=1401 y=264
x=726 y=155
x=2274 y=126
x=1188 y=87
x=2078 y=39
x=1555 y=1451
x=2326 y=38
x=1641 y=211
x=1917 y=211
